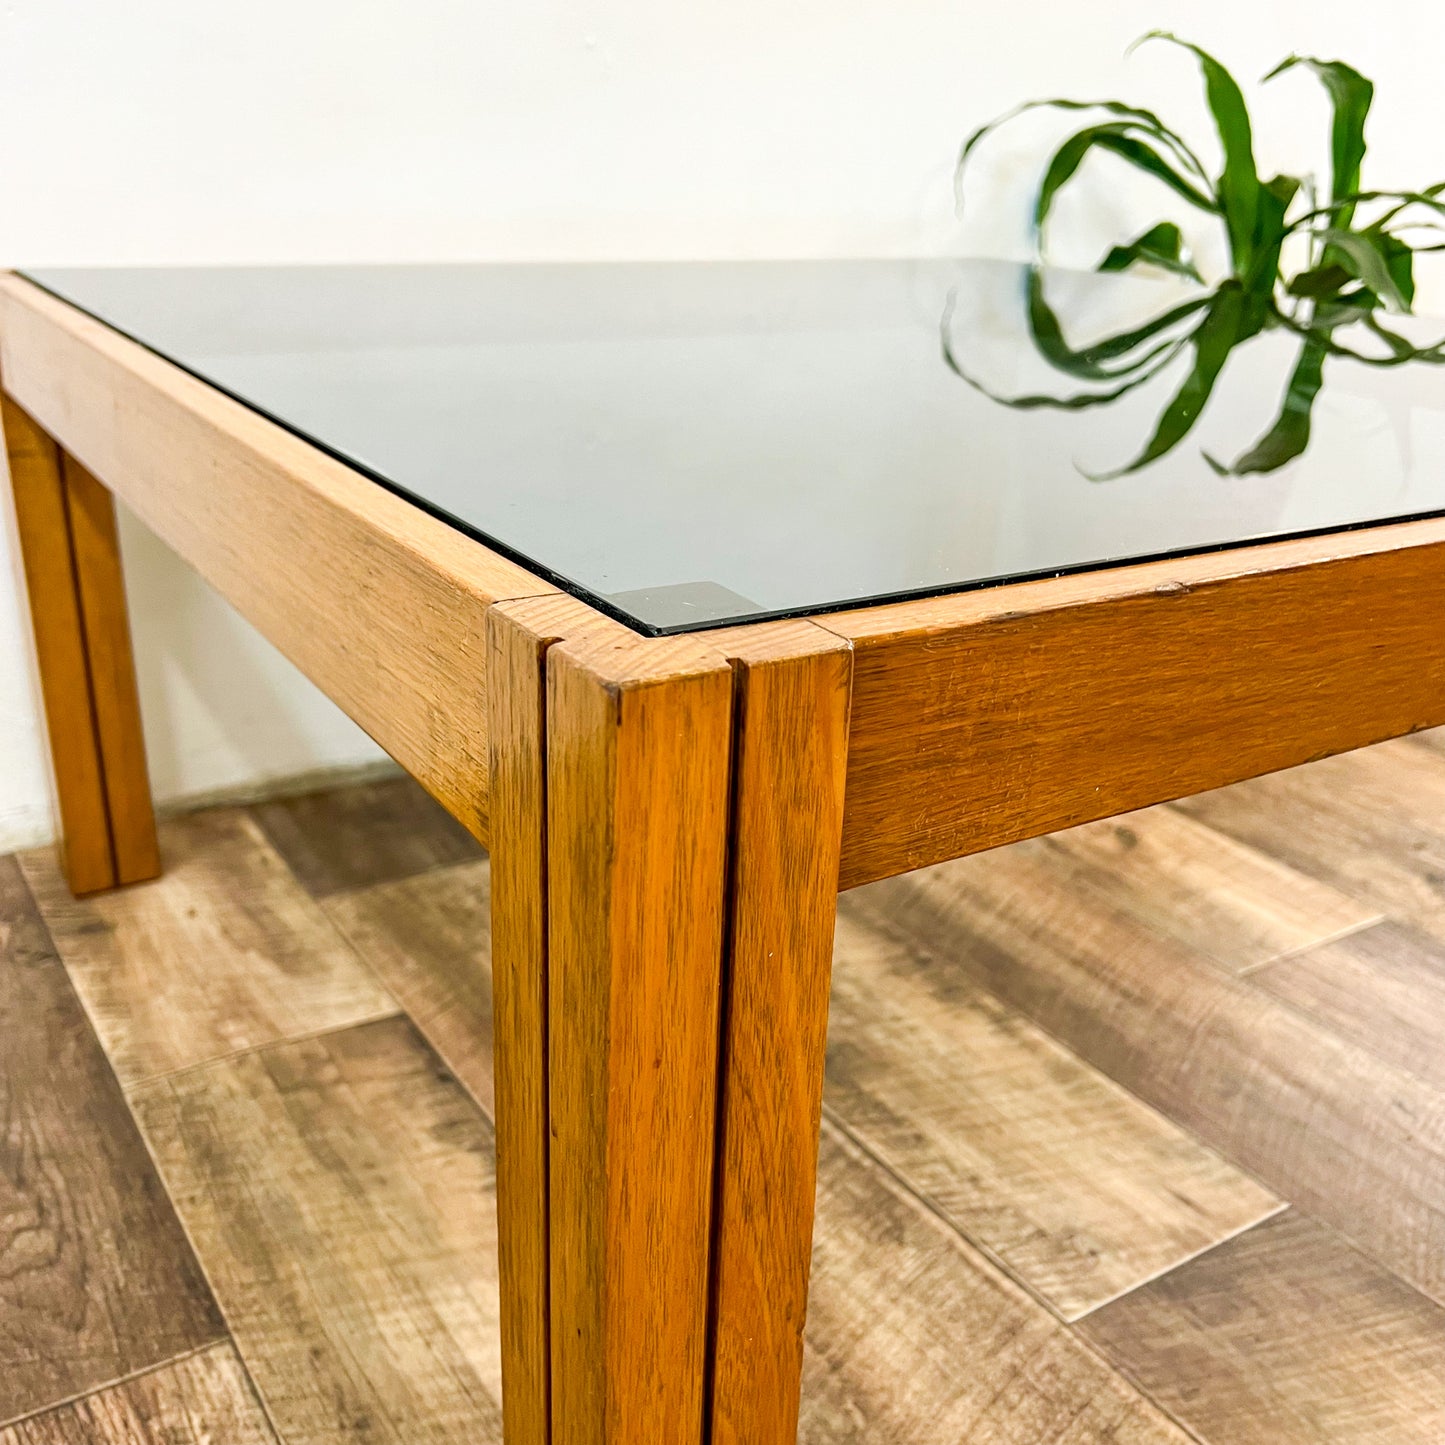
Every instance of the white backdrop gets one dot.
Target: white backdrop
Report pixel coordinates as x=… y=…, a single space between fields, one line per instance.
x=436 y=129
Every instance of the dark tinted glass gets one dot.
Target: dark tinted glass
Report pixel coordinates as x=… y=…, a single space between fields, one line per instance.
x=688 y=444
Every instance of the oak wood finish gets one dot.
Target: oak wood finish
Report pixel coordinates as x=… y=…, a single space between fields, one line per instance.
x=428 y=939
x=977 y=720
x=1238 y=905
x=914 y=1339
x=1322 y=1123
x=789 y=749
x=378 y=603
x=96 y=1278
x=637 y=818
x=366 y=834
x=1076 y=1188
x=115 y=700
x=224 y=953
x=340 y=1190
x=43 y=527
x=204 y=1399
x=517 y=660
x=1284 y=1336
x=895 y=1290
x=991 y=716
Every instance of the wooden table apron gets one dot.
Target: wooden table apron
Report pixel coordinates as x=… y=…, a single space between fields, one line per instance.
x=670 y=819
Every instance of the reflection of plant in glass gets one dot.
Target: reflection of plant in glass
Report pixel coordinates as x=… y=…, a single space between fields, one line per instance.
x=1350 y=269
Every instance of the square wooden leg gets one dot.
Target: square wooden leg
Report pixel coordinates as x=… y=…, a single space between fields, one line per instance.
x=518 y=637
x=610 y=798
x=637 y=812
x=666 y=821
x=789 y=761
x=66 y=526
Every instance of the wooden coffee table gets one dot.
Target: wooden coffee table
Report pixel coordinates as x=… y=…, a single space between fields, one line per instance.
x=675 y=781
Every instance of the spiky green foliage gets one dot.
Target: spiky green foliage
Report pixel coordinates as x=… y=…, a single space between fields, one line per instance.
x=1353 y=269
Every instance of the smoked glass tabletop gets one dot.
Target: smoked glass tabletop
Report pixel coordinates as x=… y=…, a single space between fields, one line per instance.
x=692 y=444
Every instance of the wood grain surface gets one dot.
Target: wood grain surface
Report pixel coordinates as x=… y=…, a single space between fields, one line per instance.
x=1321 y=1122
x=991 y=716
x=1238 y=905
x=914 y=1334
x=224 y=953
x=204 y=1399
x=914 y=1339
x=637 y=823
x=43 y=529
x=340 y=1190
x=518 y=637
x=364 y=834
x=1383 y=989
x=1284 y=1336
x=1080 y=1191
x=428 y=939
x=96 y=1278
x=379 y=604
x=1371 y=824
x=789 y=751
x=115 y=699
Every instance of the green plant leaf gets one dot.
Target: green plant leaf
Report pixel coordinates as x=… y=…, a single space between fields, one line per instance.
x=1320 y=281
x=1400 y=262
x=1351 y=95
x=1146 y=120
x=1087 y=363
x=1238 y=187
x=1429 y=198
x=1081 y=401
x=1398 y=345
x=1274 y=202
x=1115 y=137
x=1368 y=255
x=1216 y=337
x=1141 y=154
x=1290 y=434
x=1161 y=245
x=1354 y=274
x=1403 y=352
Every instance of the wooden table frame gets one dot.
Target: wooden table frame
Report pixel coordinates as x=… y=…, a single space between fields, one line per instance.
x=670 y=819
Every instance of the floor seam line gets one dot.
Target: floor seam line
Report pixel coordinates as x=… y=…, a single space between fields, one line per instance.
x=224 y=1338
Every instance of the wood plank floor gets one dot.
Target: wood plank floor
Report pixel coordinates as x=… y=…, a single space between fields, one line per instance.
x=201 y=1399
x=1302 y=1337
x=1132 y=1135
x=96 y=1278
x=222 y=953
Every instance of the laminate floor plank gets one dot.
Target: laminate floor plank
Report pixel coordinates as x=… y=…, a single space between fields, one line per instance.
x=1320 y=1121
x=368 y=833
x=428 y=938
x=224 y=952
x=1081 y=1191
x=1433 y=738
x=204 y=1399
x=1383 y=989
x=1284 y=1336
x=96 y=1278
x=341 y=1193
x=1369 y=823
x=913 y=1338
x=1187 y=881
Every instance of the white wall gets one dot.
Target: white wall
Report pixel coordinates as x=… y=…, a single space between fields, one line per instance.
x=321 y=130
